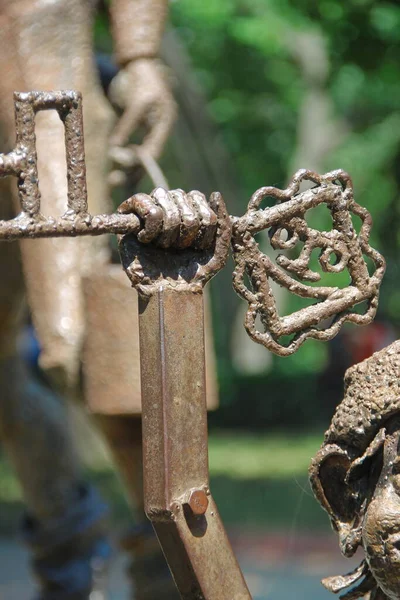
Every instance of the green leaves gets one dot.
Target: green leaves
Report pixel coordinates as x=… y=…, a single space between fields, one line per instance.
x=385 y=19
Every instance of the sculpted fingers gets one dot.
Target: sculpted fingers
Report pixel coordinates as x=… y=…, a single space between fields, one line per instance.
x=190 y=222
x=149 y=212
x=173 y=219
x=207 y=217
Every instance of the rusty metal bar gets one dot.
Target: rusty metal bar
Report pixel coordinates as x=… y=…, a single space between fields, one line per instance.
x=25 y=226
x=175 y=454
x=68 y=105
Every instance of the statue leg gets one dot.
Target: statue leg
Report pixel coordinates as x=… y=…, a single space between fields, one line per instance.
x=62 y=510
x=65 y=523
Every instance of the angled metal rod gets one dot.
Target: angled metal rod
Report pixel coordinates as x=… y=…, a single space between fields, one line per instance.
x=175 y=450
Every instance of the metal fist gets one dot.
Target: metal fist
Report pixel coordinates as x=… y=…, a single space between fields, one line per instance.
x=173 y=219
x=184 y=239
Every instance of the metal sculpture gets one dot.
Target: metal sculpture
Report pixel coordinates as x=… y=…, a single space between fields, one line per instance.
x=171 y=244
x=355 y=476
x=347 y=247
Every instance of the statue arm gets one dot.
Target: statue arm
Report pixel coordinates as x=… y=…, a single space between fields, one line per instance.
x=137 y=27
x=141 y=89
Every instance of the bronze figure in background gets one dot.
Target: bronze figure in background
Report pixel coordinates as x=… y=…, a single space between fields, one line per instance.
x=46 y=45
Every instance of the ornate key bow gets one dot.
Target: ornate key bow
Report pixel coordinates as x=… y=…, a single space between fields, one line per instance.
x=288 y=229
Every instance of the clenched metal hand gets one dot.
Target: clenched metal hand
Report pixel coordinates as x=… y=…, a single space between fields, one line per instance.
x=194 y=233
x=173 y=219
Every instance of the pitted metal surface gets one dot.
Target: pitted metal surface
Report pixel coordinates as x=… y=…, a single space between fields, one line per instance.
x=186 y=240
x=333 y=305
x=355 y=476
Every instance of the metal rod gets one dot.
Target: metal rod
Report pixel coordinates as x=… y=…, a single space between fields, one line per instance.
x=175 y=454
x=24 y=226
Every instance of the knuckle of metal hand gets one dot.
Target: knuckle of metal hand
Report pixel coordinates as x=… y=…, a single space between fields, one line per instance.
x=189 y=219
x=126 y=207
x=142 y=203
x=155 y=213
x=186 y=210
x=171 y=218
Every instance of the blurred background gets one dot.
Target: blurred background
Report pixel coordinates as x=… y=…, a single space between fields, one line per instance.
x=265 y=87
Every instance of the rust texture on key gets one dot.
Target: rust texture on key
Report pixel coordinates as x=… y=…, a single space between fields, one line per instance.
x=288 y=229
x=22 y=163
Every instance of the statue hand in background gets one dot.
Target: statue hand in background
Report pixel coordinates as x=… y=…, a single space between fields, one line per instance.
x=142 y=92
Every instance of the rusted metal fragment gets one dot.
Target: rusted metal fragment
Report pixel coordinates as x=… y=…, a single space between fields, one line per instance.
x=334 y=306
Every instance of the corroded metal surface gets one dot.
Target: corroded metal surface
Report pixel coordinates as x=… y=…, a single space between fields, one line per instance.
x=22 y=163
x=175 y=448
x=288 y=229
x=355 y=476
x=190 y=240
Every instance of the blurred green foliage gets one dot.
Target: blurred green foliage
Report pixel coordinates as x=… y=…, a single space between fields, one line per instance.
x=243 y=54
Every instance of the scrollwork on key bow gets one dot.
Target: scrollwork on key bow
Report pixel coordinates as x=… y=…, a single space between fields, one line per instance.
x=255 y=270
